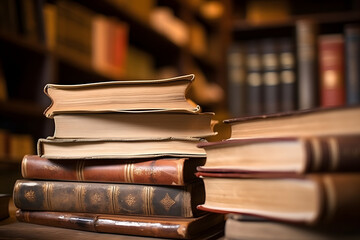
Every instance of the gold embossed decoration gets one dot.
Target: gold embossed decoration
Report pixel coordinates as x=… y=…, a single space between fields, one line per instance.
x=167 y=202
x=96 y=198
x=30 y=196
x=130 y=200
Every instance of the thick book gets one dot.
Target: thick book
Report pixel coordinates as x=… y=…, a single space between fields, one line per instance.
x=165 y=227
x=311 y=199
x=352 y=62
x=306 y=35
x=109 y=198
x=118 y=148
x=283 y=155
x=236 y=73
x=239 y=227
x=155 y=171
x=120 y=96
x=133 y=125
x=331 y=69
x=305 y=123
x=270 y=75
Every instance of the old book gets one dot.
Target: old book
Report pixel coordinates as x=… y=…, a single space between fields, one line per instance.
x=161 y=171
x=271 y=77
x=166 y=227
x=237 y=227
x=126 y=148
x=133 y=125
x=236 y=79
x=352 y=61
x=283 y=155
x=312 y=199
x=331 y=67
x=306 y=35
x=254 y=79
x=117 y=96
x=288 y=79
x=131 y=199
x=316 y=122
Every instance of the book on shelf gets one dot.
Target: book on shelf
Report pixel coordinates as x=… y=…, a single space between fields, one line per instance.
x=283 y=155
x=166 y=227
x=310 y=199
x=315 y=122
x=288 y=80
x=155 y=171
x=117 y=96
x=254 y=80
x=241 y=227
x=331 y=69
x=270 y=75
x=352 y=62
x=109 y=198
x=133 y=125
x=236 y=79
x=306 y=35
x=118 y=148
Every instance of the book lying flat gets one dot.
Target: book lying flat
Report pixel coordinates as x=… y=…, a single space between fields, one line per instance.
x=157 y=171
x=311 y=199
x=242 y=229
x=133 y=125
x=116 y=148
x=317 y=122
x=109 y=198
x=337 y=153
x=121 y=96
x=167 y=227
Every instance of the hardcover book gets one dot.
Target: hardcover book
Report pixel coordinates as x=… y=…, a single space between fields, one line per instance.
x=166 y=227
x=133 y=125
x=311 y=199
x=118 y=148
x=106 y=198
x=283 y=155
x=305 y=123
x=156 y=171
x=121 y=96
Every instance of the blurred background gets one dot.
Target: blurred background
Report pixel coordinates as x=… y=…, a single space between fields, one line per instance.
x=250 y=57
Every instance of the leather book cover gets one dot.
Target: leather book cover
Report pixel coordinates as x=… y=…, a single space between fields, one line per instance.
x=160 y=171
x=332 y=72
x=131 y=199
x=179 y=228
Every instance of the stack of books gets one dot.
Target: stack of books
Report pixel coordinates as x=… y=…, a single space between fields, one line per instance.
x=297 y=173
x=122 y=160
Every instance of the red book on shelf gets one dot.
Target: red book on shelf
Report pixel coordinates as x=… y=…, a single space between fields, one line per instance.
x=331 y=65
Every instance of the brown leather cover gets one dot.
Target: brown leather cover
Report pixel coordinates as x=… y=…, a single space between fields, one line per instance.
x=179 y=228
x=163 y=171
x=105 y=198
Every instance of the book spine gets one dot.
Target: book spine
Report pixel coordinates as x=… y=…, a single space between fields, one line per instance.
x=101 y=198
x=158 y=172
x=254 y=82
x=236 y=80
x=287 y=75
x=331 y=61
x=333 y=154
x=352 y=62
x=270 y=66
x=307 y=74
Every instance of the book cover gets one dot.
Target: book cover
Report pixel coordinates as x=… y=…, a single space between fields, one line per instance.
x=331 y=67
x=166 y=227
x=106 y=198
x=306 y=35
x=161 y=171
x=352 y=62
